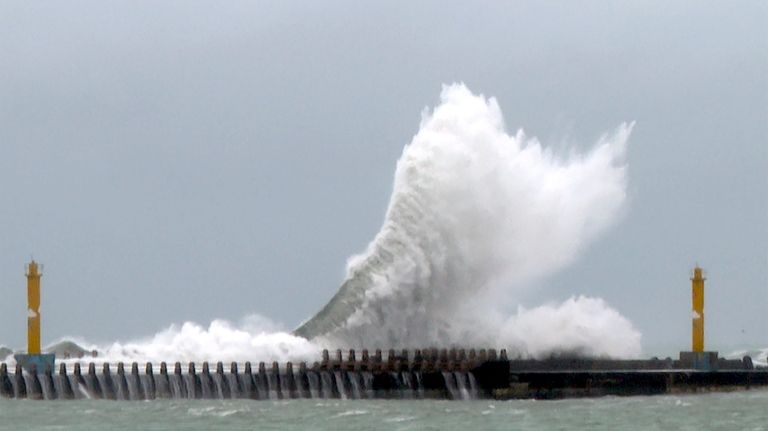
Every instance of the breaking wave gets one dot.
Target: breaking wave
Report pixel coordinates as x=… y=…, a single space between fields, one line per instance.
x=475 y=215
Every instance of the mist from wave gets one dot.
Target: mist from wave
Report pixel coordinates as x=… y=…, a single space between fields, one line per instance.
x=476 y=214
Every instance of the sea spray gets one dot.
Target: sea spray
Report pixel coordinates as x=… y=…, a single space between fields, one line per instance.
x=476 y=213
x=254 y=338
x=580 y=325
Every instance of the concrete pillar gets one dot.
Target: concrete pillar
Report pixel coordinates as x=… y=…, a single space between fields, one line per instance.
x=351 y=356
x=183 y=391
x=416 y=361
x=237 y=390
x=248 y=382
x=391 y=360
x=21 y=384
x=34 y=389
x=365 y=357
x=122 y=383
x=226 y=391
x=302 y=381
x=107 y=385
x=48 y=382
x=326 y=358
x=262 y=380
x=136 y=383
x=503 y=355
x=491 y=354
x=276 y=372
x=377 y=356
x=206 y=382
x=427 y=359
x=149 y=385
x=290 y=382
x=66 y=391
x=6 y=387
x=162 y=382
x=92 y=382
x=747 y=363
x=194 y=390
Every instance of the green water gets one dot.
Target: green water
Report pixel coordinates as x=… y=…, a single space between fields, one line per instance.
x=734 y=411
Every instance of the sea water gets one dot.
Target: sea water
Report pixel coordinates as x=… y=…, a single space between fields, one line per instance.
x=731 y=411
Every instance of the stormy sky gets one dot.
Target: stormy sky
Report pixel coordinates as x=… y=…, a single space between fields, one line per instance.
x=188 y=160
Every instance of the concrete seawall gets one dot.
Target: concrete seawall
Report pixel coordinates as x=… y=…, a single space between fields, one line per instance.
x=580 y=377
x=428 y=373
x=406 y=374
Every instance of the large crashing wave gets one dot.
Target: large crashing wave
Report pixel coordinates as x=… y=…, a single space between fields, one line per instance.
x=474 y=216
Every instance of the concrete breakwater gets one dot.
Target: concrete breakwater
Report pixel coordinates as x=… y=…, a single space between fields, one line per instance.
x=419 y=374
x=428 y=373
x=583 y=377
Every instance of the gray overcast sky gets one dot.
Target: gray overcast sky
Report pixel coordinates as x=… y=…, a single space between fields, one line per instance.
x=172 y=161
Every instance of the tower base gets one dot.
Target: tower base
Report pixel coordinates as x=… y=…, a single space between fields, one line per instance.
x=39 y=363
x=705 y=361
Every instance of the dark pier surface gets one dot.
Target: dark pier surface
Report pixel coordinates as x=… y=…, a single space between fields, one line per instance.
x=578 y=377
x=405 y=374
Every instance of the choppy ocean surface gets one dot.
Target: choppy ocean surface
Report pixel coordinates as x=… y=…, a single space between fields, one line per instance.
x=732 y=411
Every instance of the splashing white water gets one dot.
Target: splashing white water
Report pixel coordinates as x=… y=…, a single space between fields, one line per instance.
x=580 y=325
x=475 y=213
x=254 y=339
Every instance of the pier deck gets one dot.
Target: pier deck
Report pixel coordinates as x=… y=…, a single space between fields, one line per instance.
x=427 y=373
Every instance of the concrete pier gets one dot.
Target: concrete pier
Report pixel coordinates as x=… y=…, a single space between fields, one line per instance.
x=411 y=374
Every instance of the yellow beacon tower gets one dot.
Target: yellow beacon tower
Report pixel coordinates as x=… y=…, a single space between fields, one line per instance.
x=34 y=360
x=697 y=288
x=697 y=358
x=33 y=305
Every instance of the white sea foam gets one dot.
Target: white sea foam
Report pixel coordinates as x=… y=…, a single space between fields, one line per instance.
x=255 y=338
x=581 y=325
